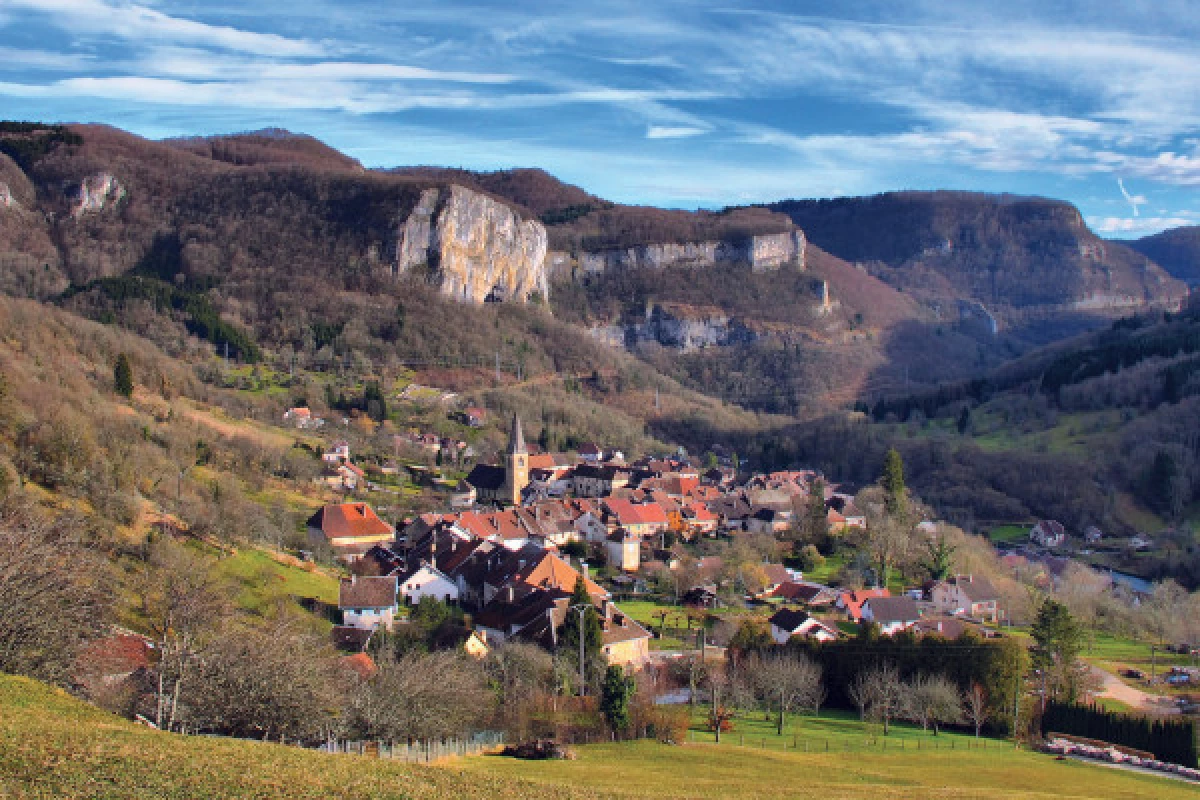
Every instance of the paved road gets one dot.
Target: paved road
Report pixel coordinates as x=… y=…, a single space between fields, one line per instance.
x=1115 y=688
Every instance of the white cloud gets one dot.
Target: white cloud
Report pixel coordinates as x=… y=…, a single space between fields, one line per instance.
x=1135 y=226
x=140 y=23
x=667 y=132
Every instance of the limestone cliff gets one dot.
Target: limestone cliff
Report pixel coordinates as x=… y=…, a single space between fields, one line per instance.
x=760 y=253
x=477 y=248
x=95 y=193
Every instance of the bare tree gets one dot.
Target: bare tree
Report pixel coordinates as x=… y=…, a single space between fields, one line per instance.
x=933 y=700
x=182 y=602
x=885 y=693
x=52 y=593
x=785 y=682
x=420 y=696
x=889 y=541
x=277 y=682
x=519 y=673
x=975 y=706
x=860 y=694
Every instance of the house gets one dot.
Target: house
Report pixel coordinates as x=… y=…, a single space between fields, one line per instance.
x=950 y=628
x=624 y=550
x=788 y=622
x=427 y=581
x=891 y=614
x=1048 y=533
x=368 y=603
x=639 y=519
x=302 y=417
x=1140 y=542
x=776 y=575
x=476 y=645
x=598 y=480
x=813 y=595
x=474 y=416
x=590 y=452
x=966 y=595
x=350 y=529
x=464 y=495
x=697 y=519
x=1093 y=535
x=337 y=452
x=769 y=521
x=851 y=602
x=350 y=639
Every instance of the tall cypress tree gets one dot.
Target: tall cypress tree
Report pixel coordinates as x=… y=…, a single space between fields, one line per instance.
x=123 y=376
x=892 y=482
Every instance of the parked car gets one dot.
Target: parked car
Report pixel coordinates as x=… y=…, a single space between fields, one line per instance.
x=1179 y=679
x=1135 y=674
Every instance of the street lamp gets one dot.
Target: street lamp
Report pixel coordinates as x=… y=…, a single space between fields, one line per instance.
x=581 y=609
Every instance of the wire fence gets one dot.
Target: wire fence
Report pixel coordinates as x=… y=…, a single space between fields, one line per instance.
x=874 y=744
x=419 y=751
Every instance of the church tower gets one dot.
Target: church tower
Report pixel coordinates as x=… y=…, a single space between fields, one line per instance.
x=516 y=464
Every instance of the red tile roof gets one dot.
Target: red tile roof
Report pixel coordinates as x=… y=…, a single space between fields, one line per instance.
x=350 y=521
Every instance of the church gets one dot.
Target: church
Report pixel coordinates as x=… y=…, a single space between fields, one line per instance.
x=502 y=485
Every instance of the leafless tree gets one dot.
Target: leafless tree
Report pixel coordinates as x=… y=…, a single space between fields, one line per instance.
x=885 y=694
x=420 y=696
x=275 y=682
x=519 y=673
x=932 y=700
x=975 y=706
x=182 y=602
x=786 y=682
x=53 y=594
x=860 y=694
x=889 y=539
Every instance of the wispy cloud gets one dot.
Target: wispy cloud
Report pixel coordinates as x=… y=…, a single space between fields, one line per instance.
x=667 y=132
x=140 y=23
x=1134 y=200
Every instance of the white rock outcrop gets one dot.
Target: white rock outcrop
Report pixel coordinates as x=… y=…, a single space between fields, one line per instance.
x=479 y=249
x=97 y=192
x=761 y=253
x=6 y=197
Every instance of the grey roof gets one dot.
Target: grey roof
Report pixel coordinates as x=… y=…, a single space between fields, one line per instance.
x=367 y=592
x=789 y=619
x=487 y=477
x=893 y=609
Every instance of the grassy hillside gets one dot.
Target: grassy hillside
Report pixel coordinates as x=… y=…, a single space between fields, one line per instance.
x=54 y=746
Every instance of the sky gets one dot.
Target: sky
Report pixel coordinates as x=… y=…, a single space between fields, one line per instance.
x=662 y=102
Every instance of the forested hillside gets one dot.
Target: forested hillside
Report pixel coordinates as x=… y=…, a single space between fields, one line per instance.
x=1176 y=250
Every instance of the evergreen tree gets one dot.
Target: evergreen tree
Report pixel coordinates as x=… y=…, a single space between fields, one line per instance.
x=593 y=633
x=615 y=696
x=964 y=420
x=1057 y=641
x=816 y=517
x=940 y=563
x=892 y=482
x=374 y=403
x=123 y=376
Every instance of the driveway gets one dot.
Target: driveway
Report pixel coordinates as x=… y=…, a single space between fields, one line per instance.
x=1115 y=688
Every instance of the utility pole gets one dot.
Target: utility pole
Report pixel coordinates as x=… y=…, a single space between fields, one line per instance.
x=497 y=366
x=1153 y=663
x=581 y=609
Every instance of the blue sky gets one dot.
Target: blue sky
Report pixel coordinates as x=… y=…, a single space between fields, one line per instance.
x=663 y=102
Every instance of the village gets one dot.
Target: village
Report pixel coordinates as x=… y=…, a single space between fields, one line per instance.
x=520 y=535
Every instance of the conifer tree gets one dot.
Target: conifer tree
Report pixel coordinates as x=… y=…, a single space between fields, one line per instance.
x=892 y=482
x=123 y=376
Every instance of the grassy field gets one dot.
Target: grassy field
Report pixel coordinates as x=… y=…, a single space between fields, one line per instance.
x=261 y=579
x=1005 y=534
x=1114 y=654
x=52 y=746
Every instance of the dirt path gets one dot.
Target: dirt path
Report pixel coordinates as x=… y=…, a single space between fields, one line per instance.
x=1115 y=688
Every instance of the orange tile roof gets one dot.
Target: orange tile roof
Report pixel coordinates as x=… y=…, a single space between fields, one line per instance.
x=350 y=521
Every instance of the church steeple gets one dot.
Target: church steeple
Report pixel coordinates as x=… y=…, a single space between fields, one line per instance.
x=516 y=439
x=516 y=463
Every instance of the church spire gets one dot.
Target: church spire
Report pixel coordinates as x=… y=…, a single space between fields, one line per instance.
x=516 y=439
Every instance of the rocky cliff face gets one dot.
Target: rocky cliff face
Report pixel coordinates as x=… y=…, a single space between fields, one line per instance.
x=95 y=193
x=760 y=253
x=478 y=248
x=680 y=328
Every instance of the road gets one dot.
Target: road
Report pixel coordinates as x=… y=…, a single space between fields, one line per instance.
x=1115 y=688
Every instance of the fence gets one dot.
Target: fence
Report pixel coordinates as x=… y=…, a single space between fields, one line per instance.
x=877 y=744
x=419 y=751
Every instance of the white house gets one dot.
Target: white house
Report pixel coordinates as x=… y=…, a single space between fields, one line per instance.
x=624 y=551
x=339 y=451
x=427 y=581
x=591 y=528
x=1048 y=533
x=368 y=603
x=789 y=622
x=968 y=596
x=891 y=614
